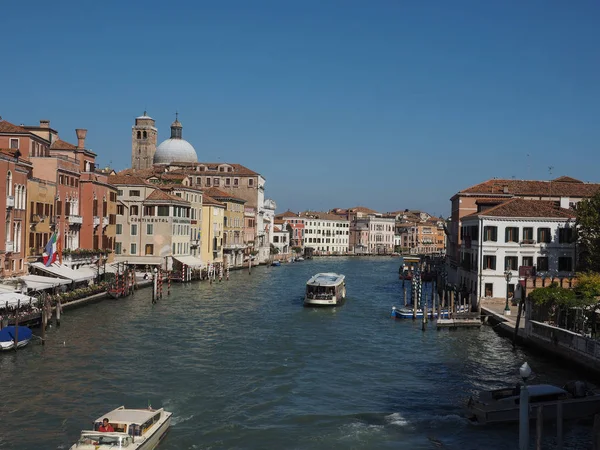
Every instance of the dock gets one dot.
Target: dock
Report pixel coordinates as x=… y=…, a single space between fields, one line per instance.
x=460 y=320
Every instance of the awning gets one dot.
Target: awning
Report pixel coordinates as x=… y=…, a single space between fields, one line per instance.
x=13 y=299
x=190 y=261
x=140 y=260
x=65 y=272
x=38 y=282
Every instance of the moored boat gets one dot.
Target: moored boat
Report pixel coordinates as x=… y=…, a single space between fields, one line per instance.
x=325 y=289
x=276 y=263
x=9 y=334
x=407 y=312
x=502 y=405
x=135 y=429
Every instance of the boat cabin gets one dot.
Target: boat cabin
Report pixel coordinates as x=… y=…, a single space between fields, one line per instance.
x=132 y=422
x=538 y=393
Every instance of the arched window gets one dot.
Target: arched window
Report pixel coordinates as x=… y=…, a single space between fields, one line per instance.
x=145 y=135
x=9 y=183
x=139 y=134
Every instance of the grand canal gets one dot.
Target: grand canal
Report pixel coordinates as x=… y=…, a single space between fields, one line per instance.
x=242 y=365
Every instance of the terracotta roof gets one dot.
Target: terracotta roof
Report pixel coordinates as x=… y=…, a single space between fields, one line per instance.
x=279 y=221
x=288 y=213
x=277 y=229
x=161 y=195
x=219 y=194
x=519 y=207
x=208 y=200
x=11 y=154
x=567 y=179
x=535 y=188
x=238 y=169
x=126 y=180
x=487 y=201
x=7 y=127
x=362 y=209
x=59 y=144
x=321 y=215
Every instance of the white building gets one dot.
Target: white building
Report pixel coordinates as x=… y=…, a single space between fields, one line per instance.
x=325 y=232
x=517 y=233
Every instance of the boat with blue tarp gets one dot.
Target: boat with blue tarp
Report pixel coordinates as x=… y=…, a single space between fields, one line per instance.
x=8 y=336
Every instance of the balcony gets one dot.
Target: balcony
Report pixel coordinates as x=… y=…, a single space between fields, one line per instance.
x=527 y=242
x=96 y=221
x=104 y=222
x=9 y=247
x=75 y=220
x=10 y=201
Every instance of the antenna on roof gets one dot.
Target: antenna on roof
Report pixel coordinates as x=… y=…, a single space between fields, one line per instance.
x=550 y=172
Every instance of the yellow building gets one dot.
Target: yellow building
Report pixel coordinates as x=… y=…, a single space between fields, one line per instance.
x=40 y=219
x=213 y=214
x=234 y=244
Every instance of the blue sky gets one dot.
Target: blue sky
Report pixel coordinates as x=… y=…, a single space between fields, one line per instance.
x=338 y=103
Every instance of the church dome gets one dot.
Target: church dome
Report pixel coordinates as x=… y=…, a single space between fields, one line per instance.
x=175 y=149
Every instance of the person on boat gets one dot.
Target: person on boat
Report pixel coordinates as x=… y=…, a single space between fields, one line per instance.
x=106 y=426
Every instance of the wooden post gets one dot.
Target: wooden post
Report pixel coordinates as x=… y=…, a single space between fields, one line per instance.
x=43 y=320
x=168 y=283
x=404 y=291
x=250 y=264
x=424 y=321
x=518 y=321
x=154 y=287
x=539 y=424
x=432 y=300
x=17 y=325
x=559 y=426
x=451 y=309
x=414 y=299
x=58 y=312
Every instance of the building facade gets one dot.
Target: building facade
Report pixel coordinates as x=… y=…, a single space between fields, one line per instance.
x=534 y=234
x=565 y=191
x=325 y=232
x=213 y=215
x=234 y=245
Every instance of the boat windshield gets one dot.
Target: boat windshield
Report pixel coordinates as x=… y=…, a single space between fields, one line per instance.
x=104 y=439
x=320 y=292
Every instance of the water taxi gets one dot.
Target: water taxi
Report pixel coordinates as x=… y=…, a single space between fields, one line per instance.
x=134 y=429
x=325 y=289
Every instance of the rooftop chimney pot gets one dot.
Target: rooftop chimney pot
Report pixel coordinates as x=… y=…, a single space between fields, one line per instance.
x=81 y=133
x=44 y=123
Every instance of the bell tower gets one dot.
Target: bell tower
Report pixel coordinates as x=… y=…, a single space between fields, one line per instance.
x=143 y=142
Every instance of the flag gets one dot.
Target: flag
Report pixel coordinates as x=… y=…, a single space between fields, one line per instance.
x=49 y=255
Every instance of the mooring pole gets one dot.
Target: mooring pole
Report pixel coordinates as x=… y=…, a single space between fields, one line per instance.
x=17 y=325
x=559 y=426
x=539 y=424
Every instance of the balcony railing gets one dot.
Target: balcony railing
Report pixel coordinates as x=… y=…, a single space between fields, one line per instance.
x=9 y=247
x=10 y=201
x=528 y=242
x=75 y=220
x=104 y=222
x=96 y=221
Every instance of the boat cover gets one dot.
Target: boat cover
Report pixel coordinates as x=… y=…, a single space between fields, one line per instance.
x=7 y=334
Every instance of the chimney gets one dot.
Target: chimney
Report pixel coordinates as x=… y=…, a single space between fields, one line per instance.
x=81 y=137
x=44 y=123
x=505 y=189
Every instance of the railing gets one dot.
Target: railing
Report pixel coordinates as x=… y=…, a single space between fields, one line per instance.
x=75 y=220
x=9 y=247
x=104 y=222
x=96 y=221
x=10 y=201
x=528 y=242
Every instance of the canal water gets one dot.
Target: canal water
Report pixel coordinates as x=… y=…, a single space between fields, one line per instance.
x=242 y=365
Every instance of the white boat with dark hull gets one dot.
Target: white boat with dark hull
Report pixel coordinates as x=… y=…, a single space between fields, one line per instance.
x=9 y=335
x=325 y=289
x=134 y=429
x=502 y=405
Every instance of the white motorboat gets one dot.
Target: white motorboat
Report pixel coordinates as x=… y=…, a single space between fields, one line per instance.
x=9 y=335
x=134 y=429
x=502 y=405
x=325 y=289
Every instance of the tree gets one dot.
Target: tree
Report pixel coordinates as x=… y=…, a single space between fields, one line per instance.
x=588 y=231
x=554 y=299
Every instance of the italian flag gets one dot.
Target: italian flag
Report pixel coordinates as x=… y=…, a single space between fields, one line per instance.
x=50 y=253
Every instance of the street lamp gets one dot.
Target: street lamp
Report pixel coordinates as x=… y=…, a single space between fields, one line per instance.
x=508 y=277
